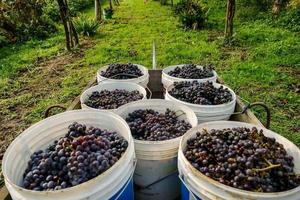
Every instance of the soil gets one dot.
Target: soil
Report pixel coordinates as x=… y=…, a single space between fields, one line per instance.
x=45 y=77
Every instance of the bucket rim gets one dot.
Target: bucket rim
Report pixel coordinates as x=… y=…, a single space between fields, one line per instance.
x=141 y=67
x=164 y=73
x=233 y=101
x=221 y=186
x=69 y=189
x=161 y=142
x=88 y=92
x=193 y=122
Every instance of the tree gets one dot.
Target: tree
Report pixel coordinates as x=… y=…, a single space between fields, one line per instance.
x=98 y=10
x=229 y=19
x=6 y=25
x=24 y=19
x=70 y=32
x=110 y=4
x=277 y=6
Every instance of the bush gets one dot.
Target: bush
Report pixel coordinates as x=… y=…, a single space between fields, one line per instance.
x=27 y=19
x=290 y=19
x=51 y=10
x=254 y=9
x=191 y=14
x=108 y=13
x=39 y=29
x=86 y=26
x=3 y=40
x=75 y=6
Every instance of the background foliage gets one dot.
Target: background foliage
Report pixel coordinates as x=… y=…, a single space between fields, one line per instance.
x=192 y=13
x=33 y=18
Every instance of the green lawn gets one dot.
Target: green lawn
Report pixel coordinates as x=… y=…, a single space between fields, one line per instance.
x=262 y=65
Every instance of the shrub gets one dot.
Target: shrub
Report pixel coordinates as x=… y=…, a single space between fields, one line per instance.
x=108 y=13
x=3 y=40
x=191 y=14
x=27 y=19
x=86 y=26
x=75 y=6
x=290 y=19
x=255 y=9
x=51 y=10
x=40 y=29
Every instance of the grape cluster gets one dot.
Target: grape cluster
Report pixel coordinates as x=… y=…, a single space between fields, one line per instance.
x=154 y=126
x=191 y=71
x=81 y=155
x=122 y=71
x=200 y=93
x=106 y=99
x=242 y=158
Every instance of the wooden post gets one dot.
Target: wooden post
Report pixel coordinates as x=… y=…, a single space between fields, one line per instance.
x=98 y=10
x=229 y=18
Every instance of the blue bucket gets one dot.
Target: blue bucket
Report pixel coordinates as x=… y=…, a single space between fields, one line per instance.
x=126 y=192
x=186 y=194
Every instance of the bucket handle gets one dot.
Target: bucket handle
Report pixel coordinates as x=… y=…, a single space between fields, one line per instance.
x=249 y=106
x=125 y=186
x=47 y=112
x=187 y=187
x=157 y=181
x=124 y=74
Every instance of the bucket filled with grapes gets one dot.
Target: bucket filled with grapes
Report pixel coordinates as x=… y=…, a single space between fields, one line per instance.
x=233 y=160
x=124 y=72
x=157 y=126
x=188 y=72
x=82 y=154
x=110 y=96
x=210 y=101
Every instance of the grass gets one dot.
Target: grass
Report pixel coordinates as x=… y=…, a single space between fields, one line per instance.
x=262 y=65
x=17 y=57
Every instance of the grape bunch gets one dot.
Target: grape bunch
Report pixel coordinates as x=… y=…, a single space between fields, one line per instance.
x=151 y=125
x=106 y=99
x=242 y=158
x=122 y=71
x=191 y=71
x=82 y=154
x=200 y=93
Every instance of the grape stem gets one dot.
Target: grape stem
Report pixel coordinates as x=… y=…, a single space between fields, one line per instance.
x=271 y=166
x=294 y=174
x=180 y=112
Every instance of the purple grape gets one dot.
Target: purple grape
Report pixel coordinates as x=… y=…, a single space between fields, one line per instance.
x=73 y=159
x=243 y=159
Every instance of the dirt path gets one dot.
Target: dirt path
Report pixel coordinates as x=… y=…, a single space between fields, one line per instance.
x=33 y=86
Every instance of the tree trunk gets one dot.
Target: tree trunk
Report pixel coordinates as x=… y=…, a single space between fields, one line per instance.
x=277 y=7
x=75 y=35
x=110 y=4
x=65 y=23
x=72 y=29
x=229 y=18
x=98 y=10
x=70 y=32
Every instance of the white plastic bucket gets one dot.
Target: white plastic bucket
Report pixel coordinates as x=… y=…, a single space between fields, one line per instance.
x=156 y=173
x=206 y=113
x=114 y=183
x=142 y=80
x=196 y=185
x=110 y=86
x=168 y=80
